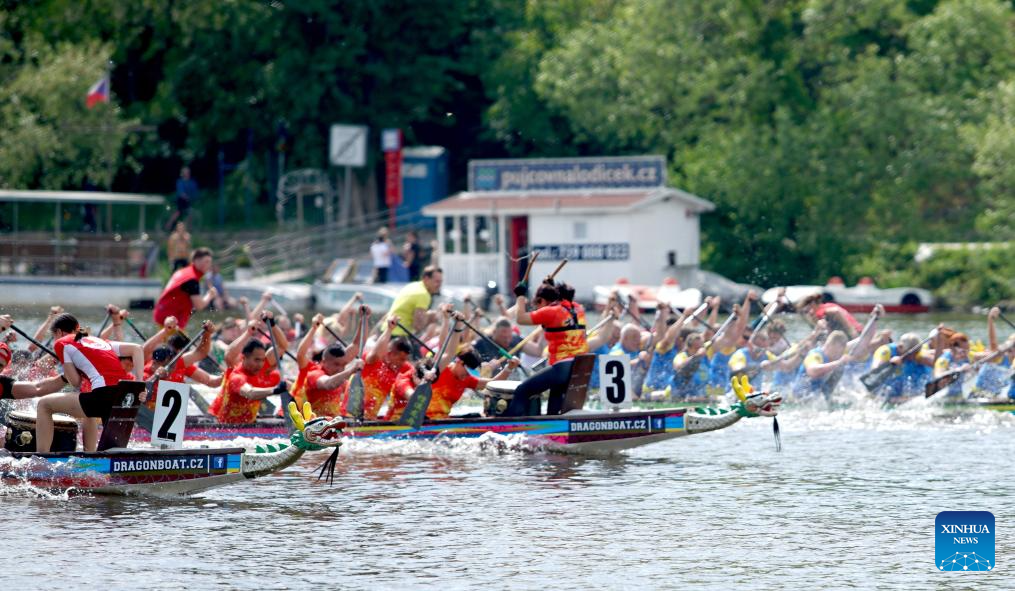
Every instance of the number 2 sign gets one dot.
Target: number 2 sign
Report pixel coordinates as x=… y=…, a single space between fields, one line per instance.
x=615 y=380
x=170 y=415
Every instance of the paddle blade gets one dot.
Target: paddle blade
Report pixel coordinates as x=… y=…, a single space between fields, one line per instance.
x=934 y=386
x=875 y=378
x=415 y=409
x=354 y=405
x=775 y=432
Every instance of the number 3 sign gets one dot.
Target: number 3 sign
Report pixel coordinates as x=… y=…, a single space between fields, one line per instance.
x=615 y=380
x=170 y=415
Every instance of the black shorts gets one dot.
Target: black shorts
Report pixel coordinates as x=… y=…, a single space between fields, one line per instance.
x=99 y=402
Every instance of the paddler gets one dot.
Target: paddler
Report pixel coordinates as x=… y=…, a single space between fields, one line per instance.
x=85 y=358
x=322 y=382
x=381 y=365
x=14 y=390
x=754 y=356
x=957 y=356
x=912 y=370
x=182 y=294
x=412 y=304
x=995 y=376
x=837 y=317
x=251 y=375
x=821 y=362
x=564 y=328
x=690 y=373
x=725 y=345
x=449 y=379
x=660 y=369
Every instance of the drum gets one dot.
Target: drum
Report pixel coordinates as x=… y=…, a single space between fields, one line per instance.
x=21 y=432
x=497 y=396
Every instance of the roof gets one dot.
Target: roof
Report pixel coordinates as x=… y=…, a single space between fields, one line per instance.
x=520 y=202
x=81 y=197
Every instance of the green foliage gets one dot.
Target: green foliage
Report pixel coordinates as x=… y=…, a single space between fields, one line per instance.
x=50 y=140
x=961 y=277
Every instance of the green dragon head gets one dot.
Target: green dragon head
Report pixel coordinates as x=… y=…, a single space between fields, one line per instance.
x=313 y=432
x=762 y=404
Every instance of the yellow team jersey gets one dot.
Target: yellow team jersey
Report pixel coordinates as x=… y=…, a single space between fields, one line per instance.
x=815 y=357
x=882 y=355
x=412 y=297
x=739 y=359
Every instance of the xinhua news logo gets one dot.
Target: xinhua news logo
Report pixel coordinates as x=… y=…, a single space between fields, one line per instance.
x=964 y=541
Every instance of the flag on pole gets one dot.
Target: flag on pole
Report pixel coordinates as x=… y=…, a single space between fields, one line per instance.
x=98 y=93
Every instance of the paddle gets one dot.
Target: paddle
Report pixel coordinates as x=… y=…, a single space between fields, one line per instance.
x=938 y=384
x=503 y=352
x=145 y=417
x=285 y=396
x=1005 y=318
x=414 y=338
x=766 y=316
x=833 y=380
x=272 y=337
x=415 y=409
x=139 y=334
x=337 y=338
x=551 y=276
x=356 y=392
x=522 y=287
x=644 y=324
x=41 y=347
x=694 y=361
x=105 y=323
x=875 y=378
x=700 y=310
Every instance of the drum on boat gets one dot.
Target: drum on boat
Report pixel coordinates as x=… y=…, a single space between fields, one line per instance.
x=21 y=432
x=497 y=396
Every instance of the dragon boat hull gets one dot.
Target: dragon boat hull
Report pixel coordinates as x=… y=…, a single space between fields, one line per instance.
x=127 y=471
x=578 y=432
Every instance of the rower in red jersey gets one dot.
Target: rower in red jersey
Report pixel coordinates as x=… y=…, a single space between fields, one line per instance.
x=322 y=382
x=182 y=294
x=90 y=358
x=252 y=377
x=381 y=366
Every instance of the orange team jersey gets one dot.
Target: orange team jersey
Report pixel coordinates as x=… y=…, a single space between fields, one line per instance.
x=447 y=390
x=232 y=407
x=179 y=374
x=378 y=379
x=326 y=403
x=400 y=393
x=564 y=327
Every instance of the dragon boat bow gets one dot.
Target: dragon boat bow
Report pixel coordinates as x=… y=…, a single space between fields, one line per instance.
x=123 y=471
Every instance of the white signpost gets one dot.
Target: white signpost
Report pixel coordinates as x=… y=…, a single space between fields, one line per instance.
x=170 y=415
x=615 y=381
x=348 y=145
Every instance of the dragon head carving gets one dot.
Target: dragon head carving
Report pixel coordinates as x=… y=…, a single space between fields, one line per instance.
x=313 y=432
x=762 y=404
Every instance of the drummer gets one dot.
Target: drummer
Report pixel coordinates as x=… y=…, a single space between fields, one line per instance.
x=564 y=327
x=85 y=358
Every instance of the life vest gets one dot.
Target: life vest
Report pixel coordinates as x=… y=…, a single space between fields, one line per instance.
x=566 y=338
x=174 y=301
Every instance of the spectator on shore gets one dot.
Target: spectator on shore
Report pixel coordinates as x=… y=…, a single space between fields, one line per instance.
x=178 y=247
x=412 y=254
x=186 y=195
x=381 y=253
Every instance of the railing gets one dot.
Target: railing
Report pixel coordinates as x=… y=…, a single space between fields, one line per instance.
x=475 y=269
x=85 y=255
x=311 y=250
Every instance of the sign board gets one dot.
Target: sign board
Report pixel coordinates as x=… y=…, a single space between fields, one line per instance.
x=567 y=174
x=170 y=414
x=391 y=145
x=348 y=145
x=615 y=381
x=619 y=251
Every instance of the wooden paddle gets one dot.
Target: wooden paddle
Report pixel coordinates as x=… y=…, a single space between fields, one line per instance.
x=503 y=352
x=105 y=323
x=875 y=378
x=286 y=397
x=41 y=347
x=938 y=384
x=551 y=276
x=766 y=316
x=523 y=285
x=415 y=409
x=357 y=391
x=414 y=338
x=535 y=333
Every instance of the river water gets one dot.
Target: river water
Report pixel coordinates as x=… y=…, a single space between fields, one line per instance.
x=850 y=502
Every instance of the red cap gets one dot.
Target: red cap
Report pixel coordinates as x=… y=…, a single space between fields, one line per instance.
x=5 y=353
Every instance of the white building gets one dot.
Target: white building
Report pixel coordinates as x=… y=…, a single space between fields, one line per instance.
x=612 y=218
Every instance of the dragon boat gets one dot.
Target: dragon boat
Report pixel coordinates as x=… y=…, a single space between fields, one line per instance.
x=158 y=472
x=574 y=431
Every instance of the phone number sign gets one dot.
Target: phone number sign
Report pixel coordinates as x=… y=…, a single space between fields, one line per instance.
x=620 y=251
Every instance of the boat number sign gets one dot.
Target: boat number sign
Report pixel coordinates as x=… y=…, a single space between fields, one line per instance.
x=615 y=380
x=170 y=415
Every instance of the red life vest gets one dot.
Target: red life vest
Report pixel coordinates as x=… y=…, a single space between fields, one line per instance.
x=174 y=301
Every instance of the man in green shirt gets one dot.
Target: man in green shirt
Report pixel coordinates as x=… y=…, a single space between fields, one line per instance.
x=413 y=302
